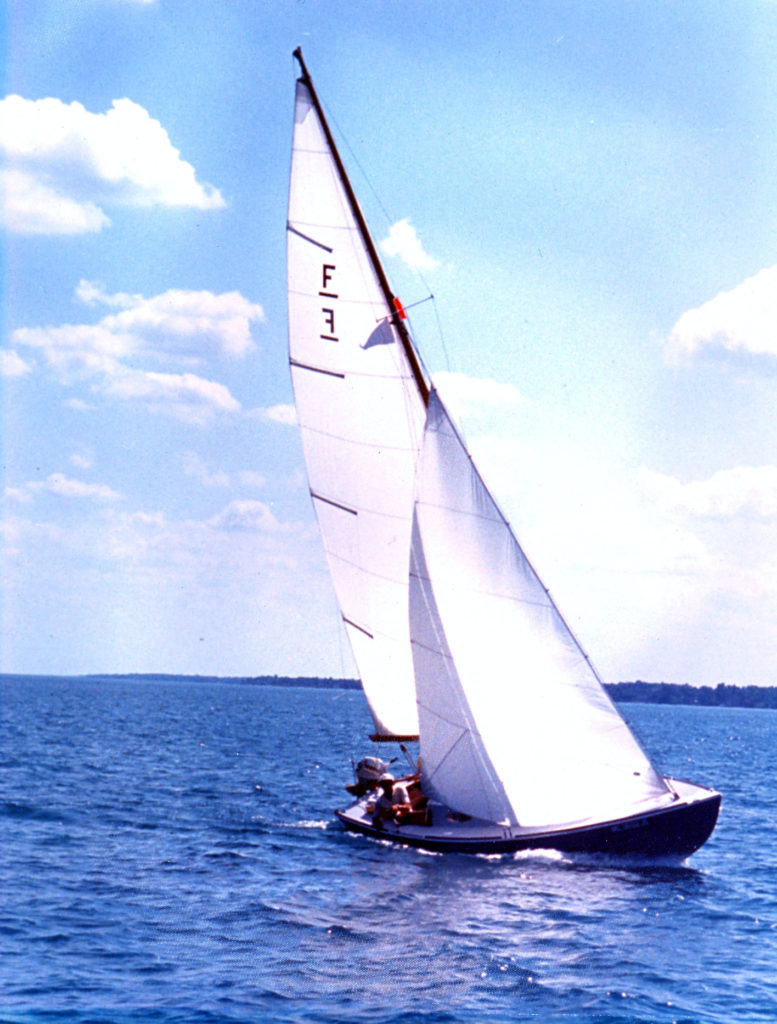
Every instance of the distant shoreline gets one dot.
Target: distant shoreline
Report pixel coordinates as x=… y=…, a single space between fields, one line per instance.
x=639 y=692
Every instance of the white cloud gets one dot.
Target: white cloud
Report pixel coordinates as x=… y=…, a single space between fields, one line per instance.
x=478 y=398
x=78 y=405
x=22 y=495
x=185 y=396
x=63 y=487
x=246 y=515
x=12 y=364
x=66 y=487
x=65 y=162
x=194 y=466
x=189 y=323
x=744 y=491
x=286 y=414
x=742 y=321
x=154 y=592
x=250 y=478
x=77 y=351
x=177 y=326
x=403 y=242
x=31 y=206
x=82 y=460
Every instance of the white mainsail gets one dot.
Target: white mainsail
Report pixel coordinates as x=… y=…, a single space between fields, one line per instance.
x=361 y=416
x=515 y=725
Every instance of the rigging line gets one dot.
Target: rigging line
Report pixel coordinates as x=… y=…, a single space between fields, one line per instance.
x=362 y=171
x=404 y=750
x=376 y=195
x=442 y=335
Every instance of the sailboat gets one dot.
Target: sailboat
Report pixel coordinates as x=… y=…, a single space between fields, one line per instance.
x=457 y=641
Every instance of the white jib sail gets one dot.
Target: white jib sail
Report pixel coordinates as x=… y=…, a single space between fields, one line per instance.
x=361 y=419
x=515 y=725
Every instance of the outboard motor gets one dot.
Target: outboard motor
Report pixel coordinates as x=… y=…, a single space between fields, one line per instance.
x=368 y=771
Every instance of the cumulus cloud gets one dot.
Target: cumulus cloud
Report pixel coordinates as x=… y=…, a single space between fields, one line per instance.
x=78 y=405
x=187 y=322
x=177 y=326
x=478 y=396
x=76 y=351
x=186 y=396
x=66 y=487
x=403 y=242
x=12 y=364
x=199 y=470
x=742 y=321
x=82 y=460
x=193 y=466
x=65 y=163
x=286 y=414
x=32 y=206
x=744 y=491
x=63 y=487
x=250 y=478
x=246 y=515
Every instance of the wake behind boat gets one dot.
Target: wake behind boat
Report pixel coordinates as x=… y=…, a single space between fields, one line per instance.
x=457 y=641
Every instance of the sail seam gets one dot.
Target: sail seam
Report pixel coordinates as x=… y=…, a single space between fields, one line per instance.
x=344 y=299
x=367 y=572
x=432 y=650
x=463 y=512
x=348 y=229
x=353 y=373
x=462 y=734
x=489 y=593
x=353 y=440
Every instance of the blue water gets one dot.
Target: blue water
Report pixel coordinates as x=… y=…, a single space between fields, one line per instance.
x=168 y=854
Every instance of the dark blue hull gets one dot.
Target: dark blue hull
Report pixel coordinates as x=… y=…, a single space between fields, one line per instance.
x=676 y=831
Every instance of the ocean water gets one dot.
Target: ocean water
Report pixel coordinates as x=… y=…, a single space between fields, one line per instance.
x=168 y=854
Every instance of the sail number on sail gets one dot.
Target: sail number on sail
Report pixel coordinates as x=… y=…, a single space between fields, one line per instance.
x=327 y=274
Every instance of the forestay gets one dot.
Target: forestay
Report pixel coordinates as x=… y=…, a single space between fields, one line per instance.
x=361 y=419
x=515 y=724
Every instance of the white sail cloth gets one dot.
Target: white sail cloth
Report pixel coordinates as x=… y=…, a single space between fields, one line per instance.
x=515 y=724
x=361 y=418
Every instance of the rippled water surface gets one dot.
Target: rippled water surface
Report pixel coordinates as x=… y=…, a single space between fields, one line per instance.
x=168 y=854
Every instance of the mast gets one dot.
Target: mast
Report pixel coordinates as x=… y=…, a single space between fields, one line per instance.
x=391 y=301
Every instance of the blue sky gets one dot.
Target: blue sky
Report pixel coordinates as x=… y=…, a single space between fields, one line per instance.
x=589 y=191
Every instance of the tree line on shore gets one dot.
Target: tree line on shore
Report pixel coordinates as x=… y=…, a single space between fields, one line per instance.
x=723 y=695
x=639 y=692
